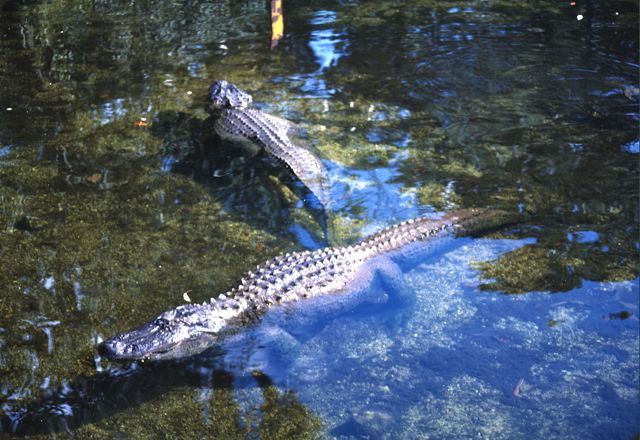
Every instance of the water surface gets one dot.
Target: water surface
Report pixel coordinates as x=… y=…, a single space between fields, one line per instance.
x=116 y=198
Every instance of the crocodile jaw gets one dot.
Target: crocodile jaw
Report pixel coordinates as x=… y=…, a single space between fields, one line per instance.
x=185 y=330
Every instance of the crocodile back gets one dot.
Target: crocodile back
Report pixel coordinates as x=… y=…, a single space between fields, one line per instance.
x=271 y=133
x=289 y=278
x=306 y=274
x=463 y=222
x=296 y=276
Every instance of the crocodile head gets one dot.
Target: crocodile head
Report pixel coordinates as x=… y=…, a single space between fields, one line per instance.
x=223 y=94
x=180 y=332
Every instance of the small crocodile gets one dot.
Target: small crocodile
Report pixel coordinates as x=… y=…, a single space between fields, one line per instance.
x=237 y=120
x=191 y=328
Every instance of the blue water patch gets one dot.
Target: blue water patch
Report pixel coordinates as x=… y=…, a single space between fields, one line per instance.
x=632 y=147
x=167 y=163
x=324 y=44
x=549 y=365
x=456 y=10
x=327 y=45
x=195 y=69
x=304 y=237
x=606 y=93
x=323 y=17
x=5 y=150
x=377 y=135
x=314 y=87
x=374 y=192
x=576 y=147
x=403 y=141
x=446 y=93
x=398 y=138
x=583 y=236
x=194 y=46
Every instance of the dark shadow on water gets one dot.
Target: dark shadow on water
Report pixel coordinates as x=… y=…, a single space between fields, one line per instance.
x=92 y=399
x=250 y=185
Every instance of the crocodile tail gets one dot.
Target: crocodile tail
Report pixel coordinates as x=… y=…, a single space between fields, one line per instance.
x=473 y=221
x=479 y=221
x=312 y=172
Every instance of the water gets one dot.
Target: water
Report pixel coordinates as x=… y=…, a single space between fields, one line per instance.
x=116 y=198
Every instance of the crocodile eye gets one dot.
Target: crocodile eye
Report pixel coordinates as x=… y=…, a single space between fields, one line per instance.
x=161 y=322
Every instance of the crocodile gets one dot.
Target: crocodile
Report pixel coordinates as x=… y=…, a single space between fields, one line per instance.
x=291 y=278
x=237 y=120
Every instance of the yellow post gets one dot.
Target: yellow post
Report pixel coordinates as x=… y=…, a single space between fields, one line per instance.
x=277 y=22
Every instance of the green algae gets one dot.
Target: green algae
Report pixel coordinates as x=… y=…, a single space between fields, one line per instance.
x=108 y=245
x=179 y=414
x=283 y=416
x=85 y=204
x=541 y=268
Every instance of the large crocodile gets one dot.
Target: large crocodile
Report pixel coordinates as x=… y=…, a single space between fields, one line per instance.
x=291 y=278
x=237 y=120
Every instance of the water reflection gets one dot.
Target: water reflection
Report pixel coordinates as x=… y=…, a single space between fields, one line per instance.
x=328 y=46
x=422 y=108
x=109 y=111
x=373 y=190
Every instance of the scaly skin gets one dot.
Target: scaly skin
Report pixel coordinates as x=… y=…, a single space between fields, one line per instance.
x=237 y=120
x=191 y=328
